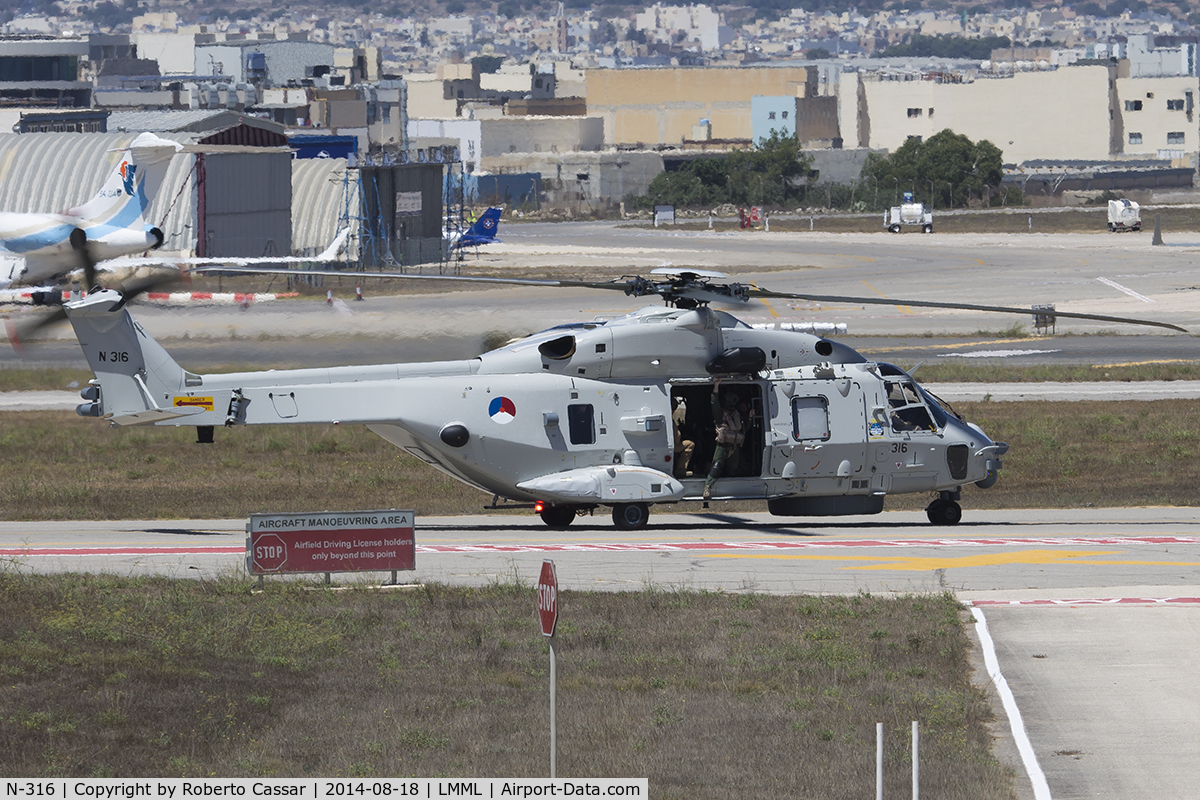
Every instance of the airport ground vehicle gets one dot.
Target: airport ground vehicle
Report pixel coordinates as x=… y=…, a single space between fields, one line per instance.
x=909 y=214
x=1124 y=215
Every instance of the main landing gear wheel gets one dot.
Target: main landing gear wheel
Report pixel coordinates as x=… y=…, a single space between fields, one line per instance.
x=557 y=517
x=944 y=512
x=630 y=516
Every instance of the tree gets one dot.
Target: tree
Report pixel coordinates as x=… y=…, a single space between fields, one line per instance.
x=768 y=174
x=818 y=52
x=946 y=170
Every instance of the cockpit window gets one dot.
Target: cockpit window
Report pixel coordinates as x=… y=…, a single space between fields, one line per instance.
x=907 y=411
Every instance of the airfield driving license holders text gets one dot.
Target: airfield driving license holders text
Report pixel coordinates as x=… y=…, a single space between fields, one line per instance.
x=317 y=789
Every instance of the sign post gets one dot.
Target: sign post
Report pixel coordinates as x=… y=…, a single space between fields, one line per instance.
x=547 y=606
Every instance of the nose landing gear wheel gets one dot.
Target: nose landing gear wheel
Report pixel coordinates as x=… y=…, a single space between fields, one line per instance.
x=944 y=512
x=630 y=516
x=557 y=517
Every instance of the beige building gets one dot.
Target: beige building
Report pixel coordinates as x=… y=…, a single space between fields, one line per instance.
x=429 y=97
x=660 y=106
x=539 y=135
x=1158 y=116
x=1068 y=113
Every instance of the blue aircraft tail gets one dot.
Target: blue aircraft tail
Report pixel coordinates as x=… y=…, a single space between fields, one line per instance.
x=483 y=231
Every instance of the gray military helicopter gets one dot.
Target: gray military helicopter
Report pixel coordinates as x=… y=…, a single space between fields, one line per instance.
x=580 y=416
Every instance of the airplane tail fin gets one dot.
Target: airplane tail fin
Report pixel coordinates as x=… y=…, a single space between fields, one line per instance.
x=126 y=194
x=486 y=227
x=136 y=382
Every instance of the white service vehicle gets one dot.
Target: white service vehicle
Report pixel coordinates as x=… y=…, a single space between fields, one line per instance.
x=1124 y=215
x=909 y=213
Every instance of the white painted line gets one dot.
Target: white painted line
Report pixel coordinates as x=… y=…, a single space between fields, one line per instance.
x=1125 y=289
x=997 y=353
x=1041 y=789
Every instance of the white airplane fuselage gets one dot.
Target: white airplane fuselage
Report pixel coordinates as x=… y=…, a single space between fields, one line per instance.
x=37 y=248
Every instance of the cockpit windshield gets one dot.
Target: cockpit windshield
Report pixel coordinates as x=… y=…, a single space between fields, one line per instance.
x=906 y=409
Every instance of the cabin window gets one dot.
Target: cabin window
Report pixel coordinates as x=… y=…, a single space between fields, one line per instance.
x=1135 y=138
x=810 y=418
x=1175 y=105
x=907 y=411
x=1133 y=105
x=581 y=423
x=1175 y=137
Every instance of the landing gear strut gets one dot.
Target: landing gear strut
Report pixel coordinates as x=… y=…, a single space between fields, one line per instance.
x=945 y=510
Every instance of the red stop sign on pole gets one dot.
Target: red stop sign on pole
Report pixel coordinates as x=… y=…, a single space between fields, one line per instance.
x=269 y=552
x=547 y=598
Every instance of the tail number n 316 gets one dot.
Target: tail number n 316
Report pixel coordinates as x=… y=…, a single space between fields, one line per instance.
x=115 y=356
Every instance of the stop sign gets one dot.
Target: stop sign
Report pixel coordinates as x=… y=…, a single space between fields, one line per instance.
x=270 y=552
x=547 y=598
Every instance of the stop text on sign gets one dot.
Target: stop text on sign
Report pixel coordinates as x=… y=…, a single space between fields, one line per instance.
x=547 y=598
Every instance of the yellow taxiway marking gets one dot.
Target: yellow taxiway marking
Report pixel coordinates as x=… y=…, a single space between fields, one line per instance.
x=903 y=309
x=774 y=313
x=1142 y=363
x=930 y=563
x=886 y=349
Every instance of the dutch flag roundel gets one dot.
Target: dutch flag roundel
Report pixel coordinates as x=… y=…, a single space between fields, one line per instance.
x=502 y=410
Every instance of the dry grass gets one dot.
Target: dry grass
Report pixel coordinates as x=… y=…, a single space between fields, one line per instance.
x=952 y=372
x=58 y=466
x=1104 y=454
x=1015 y=220
x=707 y=695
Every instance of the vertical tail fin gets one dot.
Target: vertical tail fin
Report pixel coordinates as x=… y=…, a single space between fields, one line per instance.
x=126 y=194
x=484 y=230
x=136 y=377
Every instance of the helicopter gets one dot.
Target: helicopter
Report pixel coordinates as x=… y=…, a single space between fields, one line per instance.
x=583 y=415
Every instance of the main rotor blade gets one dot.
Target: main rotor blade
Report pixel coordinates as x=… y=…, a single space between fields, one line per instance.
x=885 y=301
x=620 y=285
x=21 y=331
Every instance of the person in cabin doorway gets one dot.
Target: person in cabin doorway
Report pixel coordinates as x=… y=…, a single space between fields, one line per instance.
x=730 y=434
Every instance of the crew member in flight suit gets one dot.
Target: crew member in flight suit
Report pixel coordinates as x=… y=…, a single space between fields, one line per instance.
x=730 y=435
x=683 y=447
